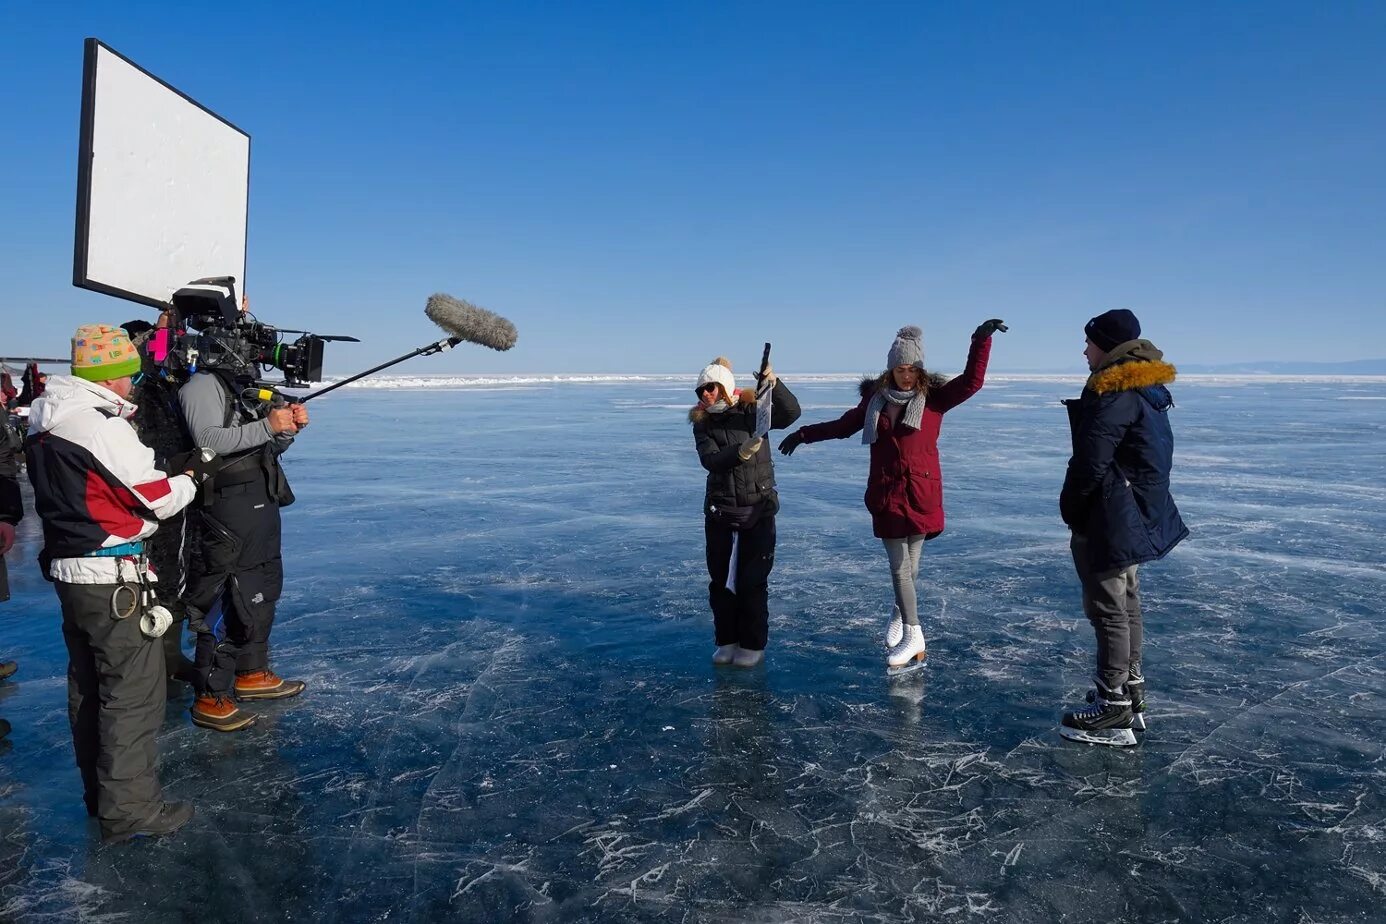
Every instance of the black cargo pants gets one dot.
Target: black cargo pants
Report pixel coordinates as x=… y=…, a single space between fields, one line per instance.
x=115 y=705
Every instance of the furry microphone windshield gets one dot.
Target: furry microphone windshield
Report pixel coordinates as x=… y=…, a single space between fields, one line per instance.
x=465 y=321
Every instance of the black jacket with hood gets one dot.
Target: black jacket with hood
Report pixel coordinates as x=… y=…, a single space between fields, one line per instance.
x=739 y=493
x=1116 y=492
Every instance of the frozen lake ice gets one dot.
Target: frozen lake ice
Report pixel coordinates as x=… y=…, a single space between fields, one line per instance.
x=497 y=596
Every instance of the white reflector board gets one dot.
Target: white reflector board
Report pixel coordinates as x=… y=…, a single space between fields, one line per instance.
x=163 y=185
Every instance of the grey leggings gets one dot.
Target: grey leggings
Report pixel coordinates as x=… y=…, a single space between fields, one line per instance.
x=904 y=569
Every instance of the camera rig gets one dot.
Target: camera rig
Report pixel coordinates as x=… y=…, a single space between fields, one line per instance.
x=208 y=330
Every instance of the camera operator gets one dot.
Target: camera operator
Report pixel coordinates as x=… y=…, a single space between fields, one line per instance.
x=235 y=581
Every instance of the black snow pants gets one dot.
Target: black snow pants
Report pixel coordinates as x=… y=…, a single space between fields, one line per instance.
x=115 y=705
x=741 y=617
x=236 y=581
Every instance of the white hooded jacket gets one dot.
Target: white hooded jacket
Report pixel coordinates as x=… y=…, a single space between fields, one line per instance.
x=95 y=484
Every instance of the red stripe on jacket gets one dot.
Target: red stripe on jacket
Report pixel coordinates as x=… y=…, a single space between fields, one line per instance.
x=112 y=507
x=154 y=490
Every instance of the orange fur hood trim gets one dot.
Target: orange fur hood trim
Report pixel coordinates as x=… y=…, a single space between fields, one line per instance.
x=1130 y=376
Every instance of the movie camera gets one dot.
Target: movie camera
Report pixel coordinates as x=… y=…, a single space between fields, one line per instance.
x=208 y=330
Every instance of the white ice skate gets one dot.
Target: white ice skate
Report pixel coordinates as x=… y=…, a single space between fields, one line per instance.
x=725 y=654
x=746 y=657
x=895 y=629
x=907 y=656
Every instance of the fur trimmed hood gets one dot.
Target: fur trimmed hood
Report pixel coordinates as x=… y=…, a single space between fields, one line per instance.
x=744 y=396
x=867 y=388
x=1132 y=366
x=1131 y=376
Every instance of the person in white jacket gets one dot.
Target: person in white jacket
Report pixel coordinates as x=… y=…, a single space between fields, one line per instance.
x=99 y=496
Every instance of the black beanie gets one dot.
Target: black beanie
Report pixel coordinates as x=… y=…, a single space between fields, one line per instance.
x=1113 y=327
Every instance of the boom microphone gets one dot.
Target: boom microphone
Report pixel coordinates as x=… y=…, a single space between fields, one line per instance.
x=461 y=320
x=464 y=321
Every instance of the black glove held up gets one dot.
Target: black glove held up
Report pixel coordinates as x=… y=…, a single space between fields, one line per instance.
x=791 y=442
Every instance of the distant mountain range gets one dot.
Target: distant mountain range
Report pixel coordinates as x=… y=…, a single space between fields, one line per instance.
x=1289 y=367
x=1286 y=367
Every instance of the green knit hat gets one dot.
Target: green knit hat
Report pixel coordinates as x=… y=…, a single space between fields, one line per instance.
x=101 y=353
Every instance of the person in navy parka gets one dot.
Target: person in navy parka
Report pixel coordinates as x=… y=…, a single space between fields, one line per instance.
x=1117 y=502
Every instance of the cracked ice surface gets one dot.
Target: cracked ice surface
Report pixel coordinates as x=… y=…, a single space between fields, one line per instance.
x=497 y=599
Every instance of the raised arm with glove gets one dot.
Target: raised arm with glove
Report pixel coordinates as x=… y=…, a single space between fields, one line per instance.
x=987 y=328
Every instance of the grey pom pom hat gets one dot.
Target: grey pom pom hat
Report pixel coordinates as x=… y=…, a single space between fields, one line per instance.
x=908 y=348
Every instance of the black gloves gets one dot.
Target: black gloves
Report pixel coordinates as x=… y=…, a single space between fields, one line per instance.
x=987 y=328
x=201 y=463
x=791 y=442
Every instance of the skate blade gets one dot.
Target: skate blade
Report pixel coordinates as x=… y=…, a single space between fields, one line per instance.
x=1138 y=721
x=914 y=665
x=1111 y=737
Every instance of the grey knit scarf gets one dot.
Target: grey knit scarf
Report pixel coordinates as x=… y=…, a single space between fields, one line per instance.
x=912 y=417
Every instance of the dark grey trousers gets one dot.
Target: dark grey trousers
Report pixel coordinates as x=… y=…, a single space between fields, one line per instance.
x=1112 y=603
x=904 y=574
x=115 y=704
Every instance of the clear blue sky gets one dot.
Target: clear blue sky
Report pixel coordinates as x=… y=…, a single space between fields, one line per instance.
x=640 y=186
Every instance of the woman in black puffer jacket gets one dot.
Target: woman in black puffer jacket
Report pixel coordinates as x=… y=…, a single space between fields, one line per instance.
x=739 y=508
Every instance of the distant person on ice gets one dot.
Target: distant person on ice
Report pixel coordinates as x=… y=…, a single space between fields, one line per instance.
x=35 y=381
x=899 y=417
x=100 y=496
x=739 y=507
x=1116 y=501
x=11 y=512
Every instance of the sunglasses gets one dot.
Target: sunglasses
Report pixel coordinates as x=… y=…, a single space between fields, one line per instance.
x=705 y=389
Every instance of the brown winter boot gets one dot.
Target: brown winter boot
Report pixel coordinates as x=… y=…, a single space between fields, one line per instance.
x=266 y=684
x=220 y=713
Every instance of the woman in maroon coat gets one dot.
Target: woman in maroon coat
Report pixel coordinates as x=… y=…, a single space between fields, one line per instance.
x=899 y=417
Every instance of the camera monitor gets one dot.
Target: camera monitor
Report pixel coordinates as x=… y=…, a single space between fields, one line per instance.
x=162 y=185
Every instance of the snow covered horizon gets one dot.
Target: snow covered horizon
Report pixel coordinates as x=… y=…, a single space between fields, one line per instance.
x=442 y=380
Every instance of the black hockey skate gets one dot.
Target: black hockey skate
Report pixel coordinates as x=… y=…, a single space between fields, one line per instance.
x=1135 y=688
x=1104 y=721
